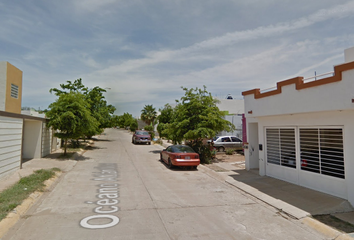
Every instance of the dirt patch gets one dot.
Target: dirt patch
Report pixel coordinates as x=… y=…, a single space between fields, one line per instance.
x=335 y=223
x=223 y=157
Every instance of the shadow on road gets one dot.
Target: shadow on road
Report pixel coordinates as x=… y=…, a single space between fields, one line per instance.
x=155 y=151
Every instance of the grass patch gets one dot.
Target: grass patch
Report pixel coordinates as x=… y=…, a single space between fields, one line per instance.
x=230 y=151
x=335 y=223
x=14 y=196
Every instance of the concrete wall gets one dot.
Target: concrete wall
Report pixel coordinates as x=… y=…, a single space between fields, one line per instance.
x=3 y=67
x=10 y=144
x=232 y=106
x=349 y=55
x=237 y=121
x=46 y=140
x=32 y=139
x=14 y=76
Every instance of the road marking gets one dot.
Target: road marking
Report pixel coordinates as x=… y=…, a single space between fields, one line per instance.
x=107 y=198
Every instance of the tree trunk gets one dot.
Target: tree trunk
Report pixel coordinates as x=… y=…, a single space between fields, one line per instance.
x=65 y=146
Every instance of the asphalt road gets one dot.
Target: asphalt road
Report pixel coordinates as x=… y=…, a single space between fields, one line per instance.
x=122 y=191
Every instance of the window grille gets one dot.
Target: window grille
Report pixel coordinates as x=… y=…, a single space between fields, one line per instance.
x=322 y=151
x=14 y=91
x=281 y=148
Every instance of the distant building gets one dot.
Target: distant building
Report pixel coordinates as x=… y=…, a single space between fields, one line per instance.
x=234 y=108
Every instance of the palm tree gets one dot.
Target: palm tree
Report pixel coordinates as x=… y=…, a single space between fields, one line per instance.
x=148 y=114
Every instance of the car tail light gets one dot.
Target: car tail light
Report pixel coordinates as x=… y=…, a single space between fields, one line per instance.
x=196 y=156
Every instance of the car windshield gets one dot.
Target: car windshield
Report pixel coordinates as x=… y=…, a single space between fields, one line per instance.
x=183 y=149
x=141 y=133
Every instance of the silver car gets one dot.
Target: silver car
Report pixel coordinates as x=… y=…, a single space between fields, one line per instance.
x=227 y=142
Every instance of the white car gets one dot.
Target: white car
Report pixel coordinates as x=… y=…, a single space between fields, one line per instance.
x=223 y=142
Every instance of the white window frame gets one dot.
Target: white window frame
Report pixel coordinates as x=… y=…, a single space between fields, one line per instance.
x=301 y=166
x=282 y=163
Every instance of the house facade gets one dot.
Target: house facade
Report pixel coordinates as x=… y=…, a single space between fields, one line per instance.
x=10 y=88
x=22 y=136
x=303 y=131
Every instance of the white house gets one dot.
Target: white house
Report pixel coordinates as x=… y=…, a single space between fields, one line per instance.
x=22 y=136
x=303 y=131
x=234 y=109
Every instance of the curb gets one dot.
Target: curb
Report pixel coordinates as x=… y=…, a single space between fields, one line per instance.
x=12 y=218
x=290 y=210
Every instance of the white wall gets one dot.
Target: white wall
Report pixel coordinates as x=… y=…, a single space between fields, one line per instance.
x=237 y=121
x=2 y=85
x=10 y=144
x=32 y=139
x=233 y=106
x=349 y=54
x=46 y=140
x=328 y=97
x=338 y=187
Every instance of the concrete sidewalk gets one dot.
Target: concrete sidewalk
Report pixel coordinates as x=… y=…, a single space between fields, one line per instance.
x=293 y=200
x=35 y=164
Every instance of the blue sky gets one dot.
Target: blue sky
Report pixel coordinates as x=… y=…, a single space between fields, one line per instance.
x=145 y=50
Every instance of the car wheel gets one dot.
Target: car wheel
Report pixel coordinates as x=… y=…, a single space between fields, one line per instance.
x=133 y=141
x=221 y=149
x=149 y=143
x=169 y=165
x=194 y=167
x=161 y=157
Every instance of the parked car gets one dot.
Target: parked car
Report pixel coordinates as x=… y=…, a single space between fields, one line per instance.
x=223 y=142
x=141 y=136
x=180 y=155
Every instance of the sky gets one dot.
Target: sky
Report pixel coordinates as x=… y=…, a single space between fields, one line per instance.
x=144 y=51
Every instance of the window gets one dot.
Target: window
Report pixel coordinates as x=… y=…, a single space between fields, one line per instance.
x=281 y=146
x=226 y=139
x=321 y=151
x=235 y=139
x=14 y=91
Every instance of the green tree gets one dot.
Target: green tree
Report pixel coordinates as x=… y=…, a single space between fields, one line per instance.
x=195 y=118
x=100 y=110
x=97 y=104
x=148 y=114
x=134 y=125
x=164 y=119
x=69 y=115
x=125 y=120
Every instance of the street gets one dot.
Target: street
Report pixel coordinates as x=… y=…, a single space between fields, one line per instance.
x=118 y=190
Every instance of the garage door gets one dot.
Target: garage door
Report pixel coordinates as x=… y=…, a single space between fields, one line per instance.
x=10 y=143
x=309 y=156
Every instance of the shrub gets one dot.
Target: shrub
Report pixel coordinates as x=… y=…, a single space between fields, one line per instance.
x=150 y=129
x=159 y=141
x=230 y=151
x=134 y=125
x=204 y=151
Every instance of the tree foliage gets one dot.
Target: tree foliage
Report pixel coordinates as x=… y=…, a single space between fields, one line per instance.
x=71 y=116
x=148 y=114
x=125 y=120
x=164 y=119
x=195 y=118
x=95 y=103
x=79 y=111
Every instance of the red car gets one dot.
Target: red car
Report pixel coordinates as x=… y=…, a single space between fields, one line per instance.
x=180 y=155
x=141 y=136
